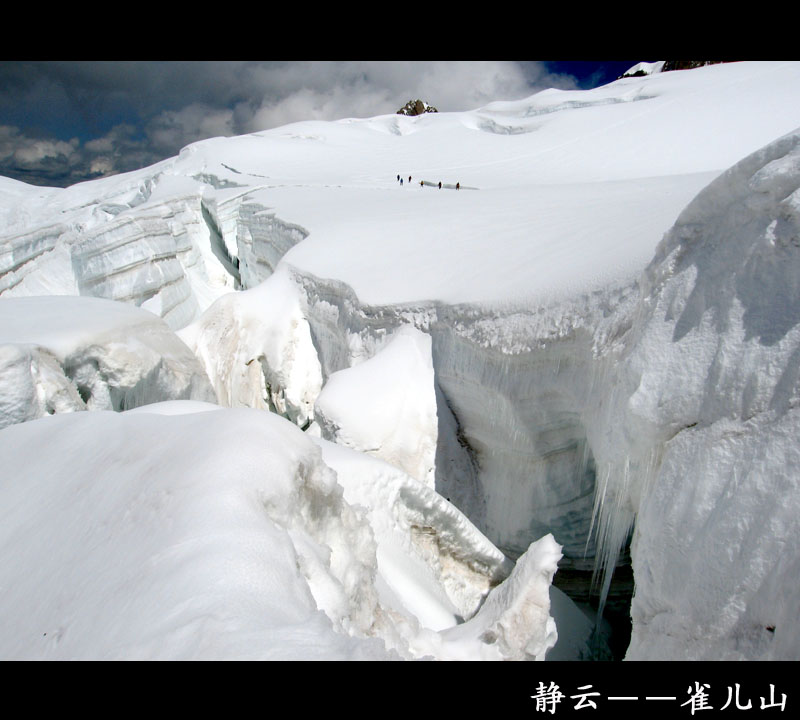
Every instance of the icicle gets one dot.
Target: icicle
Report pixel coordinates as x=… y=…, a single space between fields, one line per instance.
x=620 y=485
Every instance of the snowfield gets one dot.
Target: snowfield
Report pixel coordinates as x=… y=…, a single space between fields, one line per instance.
x=333 y=417
x=224 y=535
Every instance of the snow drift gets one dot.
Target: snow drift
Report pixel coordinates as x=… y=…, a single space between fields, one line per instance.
x=61 y=354
x=212 y=535
x=257 y=350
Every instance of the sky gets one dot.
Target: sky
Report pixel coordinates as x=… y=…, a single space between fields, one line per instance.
x=62 y=122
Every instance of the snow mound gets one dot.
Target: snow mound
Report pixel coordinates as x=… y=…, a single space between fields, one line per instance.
x=501 y=628
x=645 y=68
x=224 y=535
x=257 y=349
x=61 y=354
x=176 y=407
x=435 y=564
x=386 y=406
x=210 y=535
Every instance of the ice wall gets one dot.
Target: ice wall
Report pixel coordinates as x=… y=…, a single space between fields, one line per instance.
x=262 y=239
x=518 y=389
x=512 y=390
x=137 y=260
x=21 y=253
x=156 y=257
x=170 y=244
x=707 y=387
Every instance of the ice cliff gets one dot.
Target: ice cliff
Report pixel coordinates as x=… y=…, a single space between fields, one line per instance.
x=707 y=382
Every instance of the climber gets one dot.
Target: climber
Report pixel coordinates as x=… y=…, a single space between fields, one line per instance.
x=401 y=181
x=458 y=185
x=440 y=184
x=409 y=178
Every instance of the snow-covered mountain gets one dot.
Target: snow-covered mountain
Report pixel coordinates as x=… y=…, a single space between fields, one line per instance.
x=567 y=342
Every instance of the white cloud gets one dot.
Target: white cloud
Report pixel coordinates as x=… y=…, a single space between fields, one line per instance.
x=170 y=105
x=275 y=94
x=335 y=90
x=102 y=166
x=22 y=150
x=171 y=130
x=34 y=151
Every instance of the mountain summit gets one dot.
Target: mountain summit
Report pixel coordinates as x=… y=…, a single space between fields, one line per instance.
x=416 y=107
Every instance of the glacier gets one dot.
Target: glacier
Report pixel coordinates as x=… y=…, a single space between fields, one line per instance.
x=69 y=353
x=564 y=391
x=718 y=319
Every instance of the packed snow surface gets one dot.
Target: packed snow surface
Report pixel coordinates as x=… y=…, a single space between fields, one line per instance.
x=224 y=535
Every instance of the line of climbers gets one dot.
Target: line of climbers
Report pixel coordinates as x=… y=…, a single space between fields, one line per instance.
x=422 y=182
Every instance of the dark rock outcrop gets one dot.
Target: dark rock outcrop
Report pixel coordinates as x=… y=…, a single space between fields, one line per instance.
x=689 y=64
x=416 y=107
x=673 y=65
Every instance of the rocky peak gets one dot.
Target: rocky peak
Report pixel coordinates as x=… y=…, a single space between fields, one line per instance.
x=644 y=68
x=688 y=64
x=416 y=107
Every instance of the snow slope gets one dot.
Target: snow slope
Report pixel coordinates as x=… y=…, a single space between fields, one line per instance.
x=149 y=536
x=576 y=187
x=583 y=330
x=180 y=533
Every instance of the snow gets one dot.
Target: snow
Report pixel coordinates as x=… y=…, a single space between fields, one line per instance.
x=190 y=549
x=719 y=320
x=257 y=350
x=64 y=324
x=395 y=421
x=63 y=353
x=596 y=336
x=176 y=407
x=576 y=187
x=646 y=67
x=215 y=535
x=430 y=556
